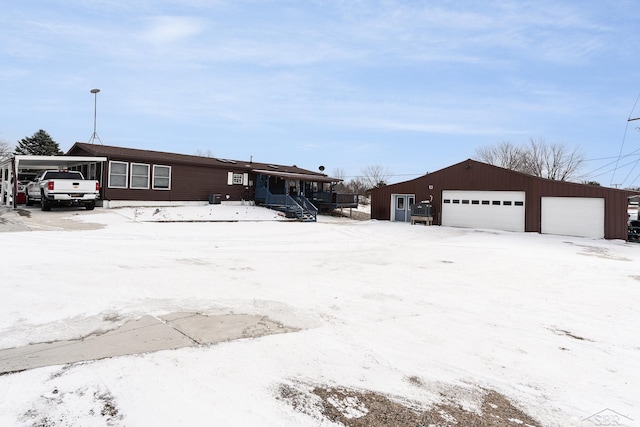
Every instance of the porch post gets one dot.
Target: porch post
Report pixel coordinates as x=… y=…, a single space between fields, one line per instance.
x=2 y=185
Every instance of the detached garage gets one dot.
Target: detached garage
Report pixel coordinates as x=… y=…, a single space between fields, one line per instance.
x=478 y=195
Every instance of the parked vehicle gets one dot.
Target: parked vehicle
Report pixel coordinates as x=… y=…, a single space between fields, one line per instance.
x=62 y=188
x=21 y=195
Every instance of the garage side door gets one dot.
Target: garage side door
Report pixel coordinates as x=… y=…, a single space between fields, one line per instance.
x=494 y=210
x=573 y=216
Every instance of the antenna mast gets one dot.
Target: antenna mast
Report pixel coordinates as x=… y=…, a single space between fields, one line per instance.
x=95 y=136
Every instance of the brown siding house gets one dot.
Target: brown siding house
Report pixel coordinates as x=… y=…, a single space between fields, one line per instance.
x=131 y=177
x=458 y=195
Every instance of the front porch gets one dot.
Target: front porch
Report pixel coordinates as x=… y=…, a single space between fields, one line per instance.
x=300 y=196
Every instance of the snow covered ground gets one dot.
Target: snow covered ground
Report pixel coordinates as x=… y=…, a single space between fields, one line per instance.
x=413 y=312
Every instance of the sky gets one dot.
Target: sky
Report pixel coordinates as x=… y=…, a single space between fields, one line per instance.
x=422 y=314
x=412 y=86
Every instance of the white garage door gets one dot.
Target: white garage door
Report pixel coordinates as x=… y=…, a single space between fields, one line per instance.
x=495 y=210
x=573 y=216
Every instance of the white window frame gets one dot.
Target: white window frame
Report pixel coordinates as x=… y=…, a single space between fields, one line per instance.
x=132 y=176
x=155 y=187
x=237 y=178
x=126 y=174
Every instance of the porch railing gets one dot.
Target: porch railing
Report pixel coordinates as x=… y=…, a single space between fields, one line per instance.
x=331 y=200
x=293 y=206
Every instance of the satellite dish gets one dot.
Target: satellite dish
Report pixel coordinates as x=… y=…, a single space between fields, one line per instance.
x=321 y=168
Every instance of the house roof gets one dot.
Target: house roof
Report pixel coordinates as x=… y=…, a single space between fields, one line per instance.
x=300 y=176
x=123 y=153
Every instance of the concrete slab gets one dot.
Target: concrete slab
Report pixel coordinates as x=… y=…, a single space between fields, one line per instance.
x=214 y=329
x=10 y=221
x=31 y=218
x=147 y=334
x=138 y=336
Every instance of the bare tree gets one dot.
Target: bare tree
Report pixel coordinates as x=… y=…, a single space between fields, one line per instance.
x=552 y=161
x=340 y=174
x=357 y=186
x=201 y=153
x=539 y=158
x=5 y=149
x=505 y=154
x=565 y=162
x=534 y=159
x=375 y=176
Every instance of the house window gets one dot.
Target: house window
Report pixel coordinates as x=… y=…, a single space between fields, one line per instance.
x=161 y=177
x=234 y=178
x=507 y=203
x=475 y=202
x=485 y=202
x=118 y=174
x=519 y=203
x=496 y=202
x=447 y=200
x=139 y=176
x=465 y=202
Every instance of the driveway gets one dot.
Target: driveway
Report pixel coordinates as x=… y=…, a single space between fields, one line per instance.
x=31 y=218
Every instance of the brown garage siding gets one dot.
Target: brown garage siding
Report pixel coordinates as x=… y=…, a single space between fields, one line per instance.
x=473 y=175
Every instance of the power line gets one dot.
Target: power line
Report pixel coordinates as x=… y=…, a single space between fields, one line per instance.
x=624 y=136
x=618 y=159
x=609 y=171
x=388 y=175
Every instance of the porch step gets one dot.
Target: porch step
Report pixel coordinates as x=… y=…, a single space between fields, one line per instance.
x=301 y=216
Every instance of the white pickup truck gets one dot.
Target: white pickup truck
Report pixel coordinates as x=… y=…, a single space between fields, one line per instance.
x=62 y=187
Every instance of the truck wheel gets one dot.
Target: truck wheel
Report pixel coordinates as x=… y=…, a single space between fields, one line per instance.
x=45 y=204
x=27 y=200
x=89 y=206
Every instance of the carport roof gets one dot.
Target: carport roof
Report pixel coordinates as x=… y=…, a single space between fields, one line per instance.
x=50 y=162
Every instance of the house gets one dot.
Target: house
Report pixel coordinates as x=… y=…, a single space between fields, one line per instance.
x=133 y=176
x=478 y=195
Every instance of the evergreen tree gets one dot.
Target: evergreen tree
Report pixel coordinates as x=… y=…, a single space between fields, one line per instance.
x=39 y=144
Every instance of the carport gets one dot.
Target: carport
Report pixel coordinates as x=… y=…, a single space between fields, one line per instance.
x=11 y=167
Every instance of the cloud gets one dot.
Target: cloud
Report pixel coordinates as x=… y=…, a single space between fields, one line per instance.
x=324 y=66
x=478 y=32
x=170 y=29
